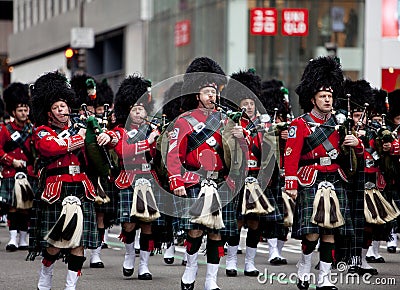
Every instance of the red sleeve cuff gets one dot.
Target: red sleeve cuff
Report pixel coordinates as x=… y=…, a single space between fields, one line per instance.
x=7 y=160
x=175 y=181
x=75 y=142
x=114 y=138
x=395 y=150
x=291 y=182
x=359 y=149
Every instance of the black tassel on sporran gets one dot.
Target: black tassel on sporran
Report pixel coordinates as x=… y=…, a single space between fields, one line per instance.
x=320 y=214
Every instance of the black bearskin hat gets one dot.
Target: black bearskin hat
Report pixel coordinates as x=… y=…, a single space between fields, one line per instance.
x=321 y=74
x=130 y=93
x=360 y=92
x=85 y=88
x=394 y=104
x=173 y=99
x=379 y=107
x=202 y=72
x=243 y=85
x=273 y=96
x=16 y=94
x=48 y=89
x=105 y=94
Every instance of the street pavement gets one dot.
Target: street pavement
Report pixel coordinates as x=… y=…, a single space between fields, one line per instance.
x=16 y=273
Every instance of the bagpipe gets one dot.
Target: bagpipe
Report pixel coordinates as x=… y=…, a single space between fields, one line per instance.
x=101 y=164
x=254 y=200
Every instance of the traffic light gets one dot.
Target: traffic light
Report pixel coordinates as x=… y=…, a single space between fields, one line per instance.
x=72 y=58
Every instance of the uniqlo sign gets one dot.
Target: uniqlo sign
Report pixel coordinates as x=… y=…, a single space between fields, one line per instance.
x=263 y=21
x=182 y=33
x=295 y=22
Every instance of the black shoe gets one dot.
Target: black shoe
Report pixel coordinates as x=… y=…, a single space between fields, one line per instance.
x=231 y=272
x=376 y=260
x=253 y=273
x=278 y=261
x=11 y=248
x=97 y=265
x=371 y=271
x=127 y=272
x=239 y=252
x=302 y=285
x=353 y=269
x=187 y=286
x=137 y=252
x=169 y=261
x=184 y=263
x=104 y=246
x=391 y=250
x=370 y=259
x=23 y=248
x=327 y=288
x=145 y=276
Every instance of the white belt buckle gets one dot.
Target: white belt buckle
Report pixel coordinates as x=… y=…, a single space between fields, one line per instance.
x=74 y=169
x=211 y=141
x=212 y=174
x=333 y=154
x=146 y=167
x=200 y=126
x=325 y=161
x=251 y=163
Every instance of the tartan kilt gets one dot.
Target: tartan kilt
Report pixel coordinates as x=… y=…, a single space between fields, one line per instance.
x=126 y=199
x=110 y=209
x=7 y=193
x=49 y=214
x=272 y=225
x=229 y=211
x=302 y=224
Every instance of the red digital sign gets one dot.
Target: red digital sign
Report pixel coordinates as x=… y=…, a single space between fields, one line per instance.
x=295 y=22
x=263 y=21
x=182 y=33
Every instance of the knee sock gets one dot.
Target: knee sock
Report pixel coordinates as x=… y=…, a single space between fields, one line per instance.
x=215 y=250
x=146 y=242
x=326 y=252
x=193 y=244
x=253 y=237
x=307 y=246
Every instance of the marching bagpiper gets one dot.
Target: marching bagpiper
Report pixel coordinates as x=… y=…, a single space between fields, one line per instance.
x=137 y=180
x=96 y=99
x=380 y=173
x=66 y=215
x=275 y=225
x=17 y=157
x=313 y=175
x=244 y=88
x=196 y=169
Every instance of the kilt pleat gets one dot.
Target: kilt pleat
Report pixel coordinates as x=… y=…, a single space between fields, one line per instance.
x=302 y=224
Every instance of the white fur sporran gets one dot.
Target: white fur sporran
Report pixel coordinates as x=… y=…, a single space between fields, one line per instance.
x=144 y=205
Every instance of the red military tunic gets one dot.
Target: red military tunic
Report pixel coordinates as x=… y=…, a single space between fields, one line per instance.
x=306 y=175
x=132 y=157
x=205 y=156
x=372 y=165
x=50 y=145
x=6 y=158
